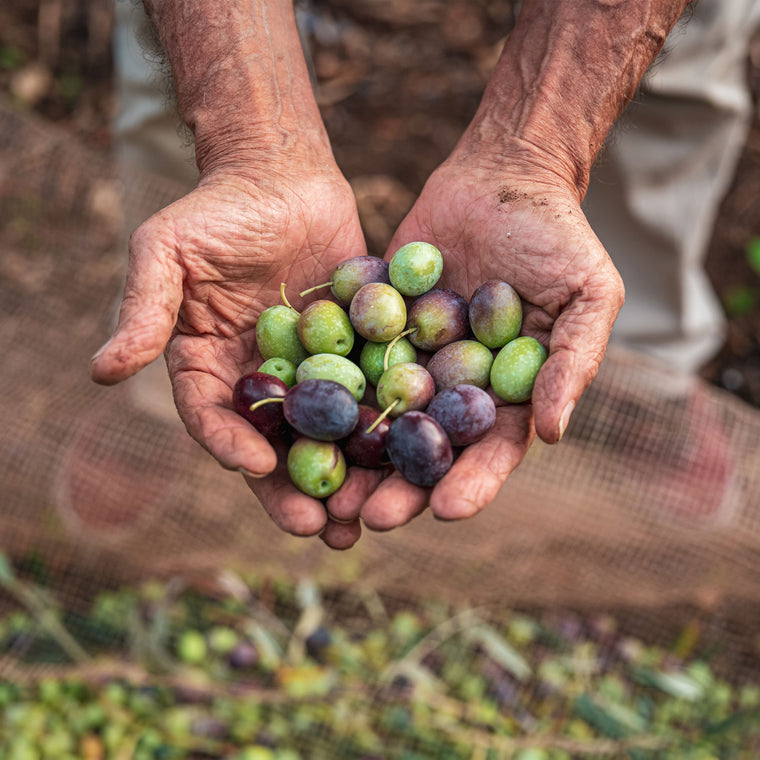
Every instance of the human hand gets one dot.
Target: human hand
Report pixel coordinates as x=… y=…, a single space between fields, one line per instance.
x=506 y=204
x=525 y=227
x=200 y=272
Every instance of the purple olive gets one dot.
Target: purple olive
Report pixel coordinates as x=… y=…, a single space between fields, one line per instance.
x=419 y=448
x=367 y=449
x=268 y=419
x=439 y=317
x=465 y=412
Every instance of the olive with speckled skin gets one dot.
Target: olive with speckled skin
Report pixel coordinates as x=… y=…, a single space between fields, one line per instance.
x=461 y=362
x=318 y=468
x=333 y=367
x=495 y=313
x=515 y=368
x=352 y=274
x=415 y=268
x=281 y=368
x=277 y=334
x=324 y=328
x=408 y=383
x=378 y=312
x=438 y=317
x=373 y=356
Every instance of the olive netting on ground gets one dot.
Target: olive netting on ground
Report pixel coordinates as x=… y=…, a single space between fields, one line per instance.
x=642 y=525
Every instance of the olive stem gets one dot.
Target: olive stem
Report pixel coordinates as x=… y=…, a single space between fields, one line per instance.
x=285 y=299
x=382 y=416
x=388 y=348
x=272 y=399
x=312 y=289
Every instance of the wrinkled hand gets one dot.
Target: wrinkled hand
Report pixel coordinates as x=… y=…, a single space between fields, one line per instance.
x=533 y=235
x=200 y=272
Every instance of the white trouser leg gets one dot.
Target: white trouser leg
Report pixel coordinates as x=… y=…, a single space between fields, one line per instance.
x=656 y=191
x=147 y=125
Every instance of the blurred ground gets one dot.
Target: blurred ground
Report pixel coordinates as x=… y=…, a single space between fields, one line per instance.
x=398 y=80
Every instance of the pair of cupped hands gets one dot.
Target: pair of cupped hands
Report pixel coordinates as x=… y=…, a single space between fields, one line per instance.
x=202 y=270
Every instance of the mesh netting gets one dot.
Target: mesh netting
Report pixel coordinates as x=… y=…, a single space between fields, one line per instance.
x=648 y=509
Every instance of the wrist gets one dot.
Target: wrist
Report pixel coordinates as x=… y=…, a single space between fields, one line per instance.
x=241 y=81
x=252 y=149
x=565 y=74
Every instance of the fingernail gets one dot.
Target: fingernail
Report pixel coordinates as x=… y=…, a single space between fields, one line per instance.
x=249 y=474
x=99 y=352
x=565 y=418
x=341 y=520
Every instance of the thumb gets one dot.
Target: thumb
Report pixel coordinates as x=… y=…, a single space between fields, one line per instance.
x=148 y=313
x=577 y=347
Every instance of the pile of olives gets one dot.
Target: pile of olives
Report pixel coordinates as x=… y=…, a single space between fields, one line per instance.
x=435 y=362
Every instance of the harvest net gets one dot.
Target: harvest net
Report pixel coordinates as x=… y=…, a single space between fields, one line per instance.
x=643 y=524
x=605 y=605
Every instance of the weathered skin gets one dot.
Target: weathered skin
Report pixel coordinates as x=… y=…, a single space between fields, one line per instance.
x=271 y=206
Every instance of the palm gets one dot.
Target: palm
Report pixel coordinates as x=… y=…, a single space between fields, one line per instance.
x=201 y=271
x=536 y=238
x=237 y=243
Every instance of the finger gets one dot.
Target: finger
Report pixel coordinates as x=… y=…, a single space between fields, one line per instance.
x=341 y=536
x=292 y=511
x=576 y=349
x=149 y=308
x=481 y=469
x=203 y=371
x=346 y=503
x=394 y=503
x=204 y=404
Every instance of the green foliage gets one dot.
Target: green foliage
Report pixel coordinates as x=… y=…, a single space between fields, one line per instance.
x=70 y=87
x=741 y=300
x=7 y=575
x=752 y=251
x=182 y=675
x=11 y=57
